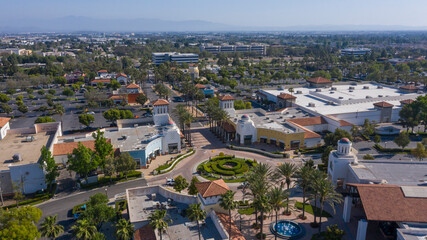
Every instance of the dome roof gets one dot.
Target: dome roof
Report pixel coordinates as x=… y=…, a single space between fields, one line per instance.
x=344 y=140
x=245 y=117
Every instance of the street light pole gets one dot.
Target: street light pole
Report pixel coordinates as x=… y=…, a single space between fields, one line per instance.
x=106 y=192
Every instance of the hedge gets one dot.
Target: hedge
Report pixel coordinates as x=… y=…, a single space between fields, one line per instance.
x=106 y=180
x=243 y=169
x=219 y=170
x=223 y=162
x=380 y=148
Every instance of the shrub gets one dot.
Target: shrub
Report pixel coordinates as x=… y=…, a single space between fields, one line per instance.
x=78 y=208
x=221 y=171
x=221 y=154
x=221 y=164
x=243 y=169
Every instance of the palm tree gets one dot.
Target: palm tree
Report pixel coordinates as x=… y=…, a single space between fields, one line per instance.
x=159 y=221
x=84 y=230
x=227 y=203
x=286 y=171
x=196 y=213
x=124 y=230
x=327 y=194
x=316 y=178
x=276 y=196
x=303 y=175
x=223 y=117
x=262 y=203
x=188 y=118
x=50 y=229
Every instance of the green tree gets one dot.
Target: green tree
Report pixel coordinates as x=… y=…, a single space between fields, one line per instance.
x=325 y=155
x=4 y=98
x=368 y=128
x=180 y=183
x=124 y=230
x=332 y=138
x=402 y=140
x=125 y=163
x=109 y=167
x=47 y=162
x=82 y=161
x=114 y=84
x=103 y=148
x=84 y=230
x=377 y=138
x=141 y=99
x=52 y=91
x=98 y=211
x=17 y=192
x=19 y=98
x=327 y=194
x=19 y=223
x=44 y=120
x=262 y=204
x=50 y=229
x=112 y=115
x=227 y=203
x=86 y=119
x=23 y=108
x=419 y=152
x=192 y=190
x=303 y=176
x=68 y=92
x=276 y=196
x=368 y=157
x=285 y=172
x=159 y=221
x=6 y=108
x=196 y=213
x=41 y=92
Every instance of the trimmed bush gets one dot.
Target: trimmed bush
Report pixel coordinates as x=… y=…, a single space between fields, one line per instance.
x=221 y=171
x=232 y=161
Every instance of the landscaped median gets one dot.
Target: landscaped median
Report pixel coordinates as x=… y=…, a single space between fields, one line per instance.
x=268 y=154
x=170 y=165
x=103 y=181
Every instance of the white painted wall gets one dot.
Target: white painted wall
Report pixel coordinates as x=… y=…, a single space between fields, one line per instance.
x=31 y=175
x=4 y=130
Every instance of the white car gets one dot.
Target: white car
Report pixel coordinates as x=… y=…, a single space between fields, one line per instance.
x=170 y=182
x=91 y=113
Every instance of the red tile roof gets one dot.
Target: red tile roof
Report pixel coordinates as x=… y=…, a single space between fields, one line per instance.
x=160 y=102
x=3 y=121
x=407 y=101
x=226 y=98
x=145 y=233
x=68 y=147
x=286 y=96
x=235 y=232
x=212 y=188
x=319 y=80
x=200 y=86
x=309 y=121
x=103 y=71
x=121 y=74
x=132 y=86
x=117 y=97
x=344 y=123
x=101 y=80
x=409 y=87
x=388 y=203
x=383 y=104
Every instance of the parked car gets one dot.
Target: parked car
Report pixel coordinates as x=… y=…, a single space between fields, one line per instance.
x=170 y=182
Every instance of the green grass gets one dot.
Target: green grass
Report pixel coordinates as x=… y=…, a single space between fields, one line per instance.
x=225 y=180
x=246 y=211
x=309 y=209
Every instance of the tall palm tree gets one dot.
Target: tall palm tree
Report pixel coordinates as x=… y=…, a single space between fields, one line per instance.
x=316 y=178
x=196 y=213
x=124 y=230
x=223 y=117
x=188 y=118
x=50 y=229
x=227 y=203
x=159 y=221
x=262 y=203
x=303 y=175
x=276 y=196
x=84 y=230
x=286 y=171
x=327 y=194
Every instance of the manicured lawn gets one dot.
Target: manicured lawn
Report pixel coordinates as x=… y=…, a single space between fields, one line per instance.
x=225 y=180
x=246 y=211
x=309 y=209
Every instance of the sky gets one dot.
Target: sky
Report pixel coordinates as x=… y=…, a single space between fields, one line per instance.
x=279 y=13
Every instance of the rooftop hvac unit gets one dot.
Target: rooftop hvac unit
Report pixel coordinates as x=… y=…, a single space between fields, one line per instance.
x=318 y=90
x=380 y=95
x=340 y=97
x=380 y=87
x=365 y=87
x=368 y=97
x=29 y=138
x=331 y=92
x=311 y=104
x=333 y=88
x=352 y=88
x=135 y=125
x=17 y=157
x=299 y=92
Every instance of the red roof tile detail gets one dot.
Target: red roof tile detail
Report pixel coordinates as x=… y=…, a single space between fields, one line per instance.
x=407 y=101
x=226 y=98
x=160 y=102
x=344 y=123
x=286 y=96
x=212 y=188
x=132 y=86
x=309 y=121
x=3 y=121
x=409 y=87
x=383 y=104
x=103 y=71
x=200 y=86
x=235 y=232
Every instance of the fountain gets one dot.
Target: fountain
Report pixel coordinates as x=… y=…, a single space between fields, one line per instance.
x=287 y=229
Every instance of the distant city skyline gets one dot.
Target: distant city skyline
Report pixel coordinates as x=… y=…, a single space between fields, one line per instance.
x=254 y=13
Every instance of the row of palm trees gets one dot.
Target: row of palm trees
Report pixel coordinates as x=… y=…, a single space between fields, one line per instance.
x=217 y=117
x=185 y=118
x=85 y=230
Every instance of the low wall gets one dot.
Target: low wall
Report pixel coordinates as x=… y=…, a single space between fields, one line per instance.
x=17 y=131
x=173 y=164
x=272 y=155
x=178 y=197
x=218 y=225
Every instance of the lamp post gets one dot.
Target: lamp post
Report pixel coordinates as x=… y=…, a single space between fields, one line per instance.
x=106 y=192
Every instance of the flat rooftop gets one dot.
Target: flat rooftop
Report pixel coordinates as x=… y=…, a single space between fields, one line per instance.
x=273 y=120
x=29 y=150
x=344 y=98
x=394 y=172
x=127 y=139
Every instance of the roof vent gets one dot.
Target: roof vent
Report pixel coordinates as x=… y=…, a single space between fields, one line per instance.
x=333 y=88
x=380 y=95
x=318 y=90
x=17 y=157
x=351 y=88
x=380 y=87
x=368 y=97
x=340 y=97
x=365 y=87
x=311 y=104
x=331 y=92
x=299 y=92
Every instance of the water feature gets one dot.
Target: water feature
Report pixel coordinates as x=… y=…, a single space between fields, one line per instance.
x=287 y=229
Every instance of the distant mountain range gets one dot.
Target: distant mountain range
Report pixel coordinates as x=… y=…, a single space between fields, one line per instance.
x=73 y=24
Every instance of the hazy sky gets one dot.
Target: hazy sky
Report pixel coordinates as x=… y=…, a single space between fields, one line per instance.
x=232 y=12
